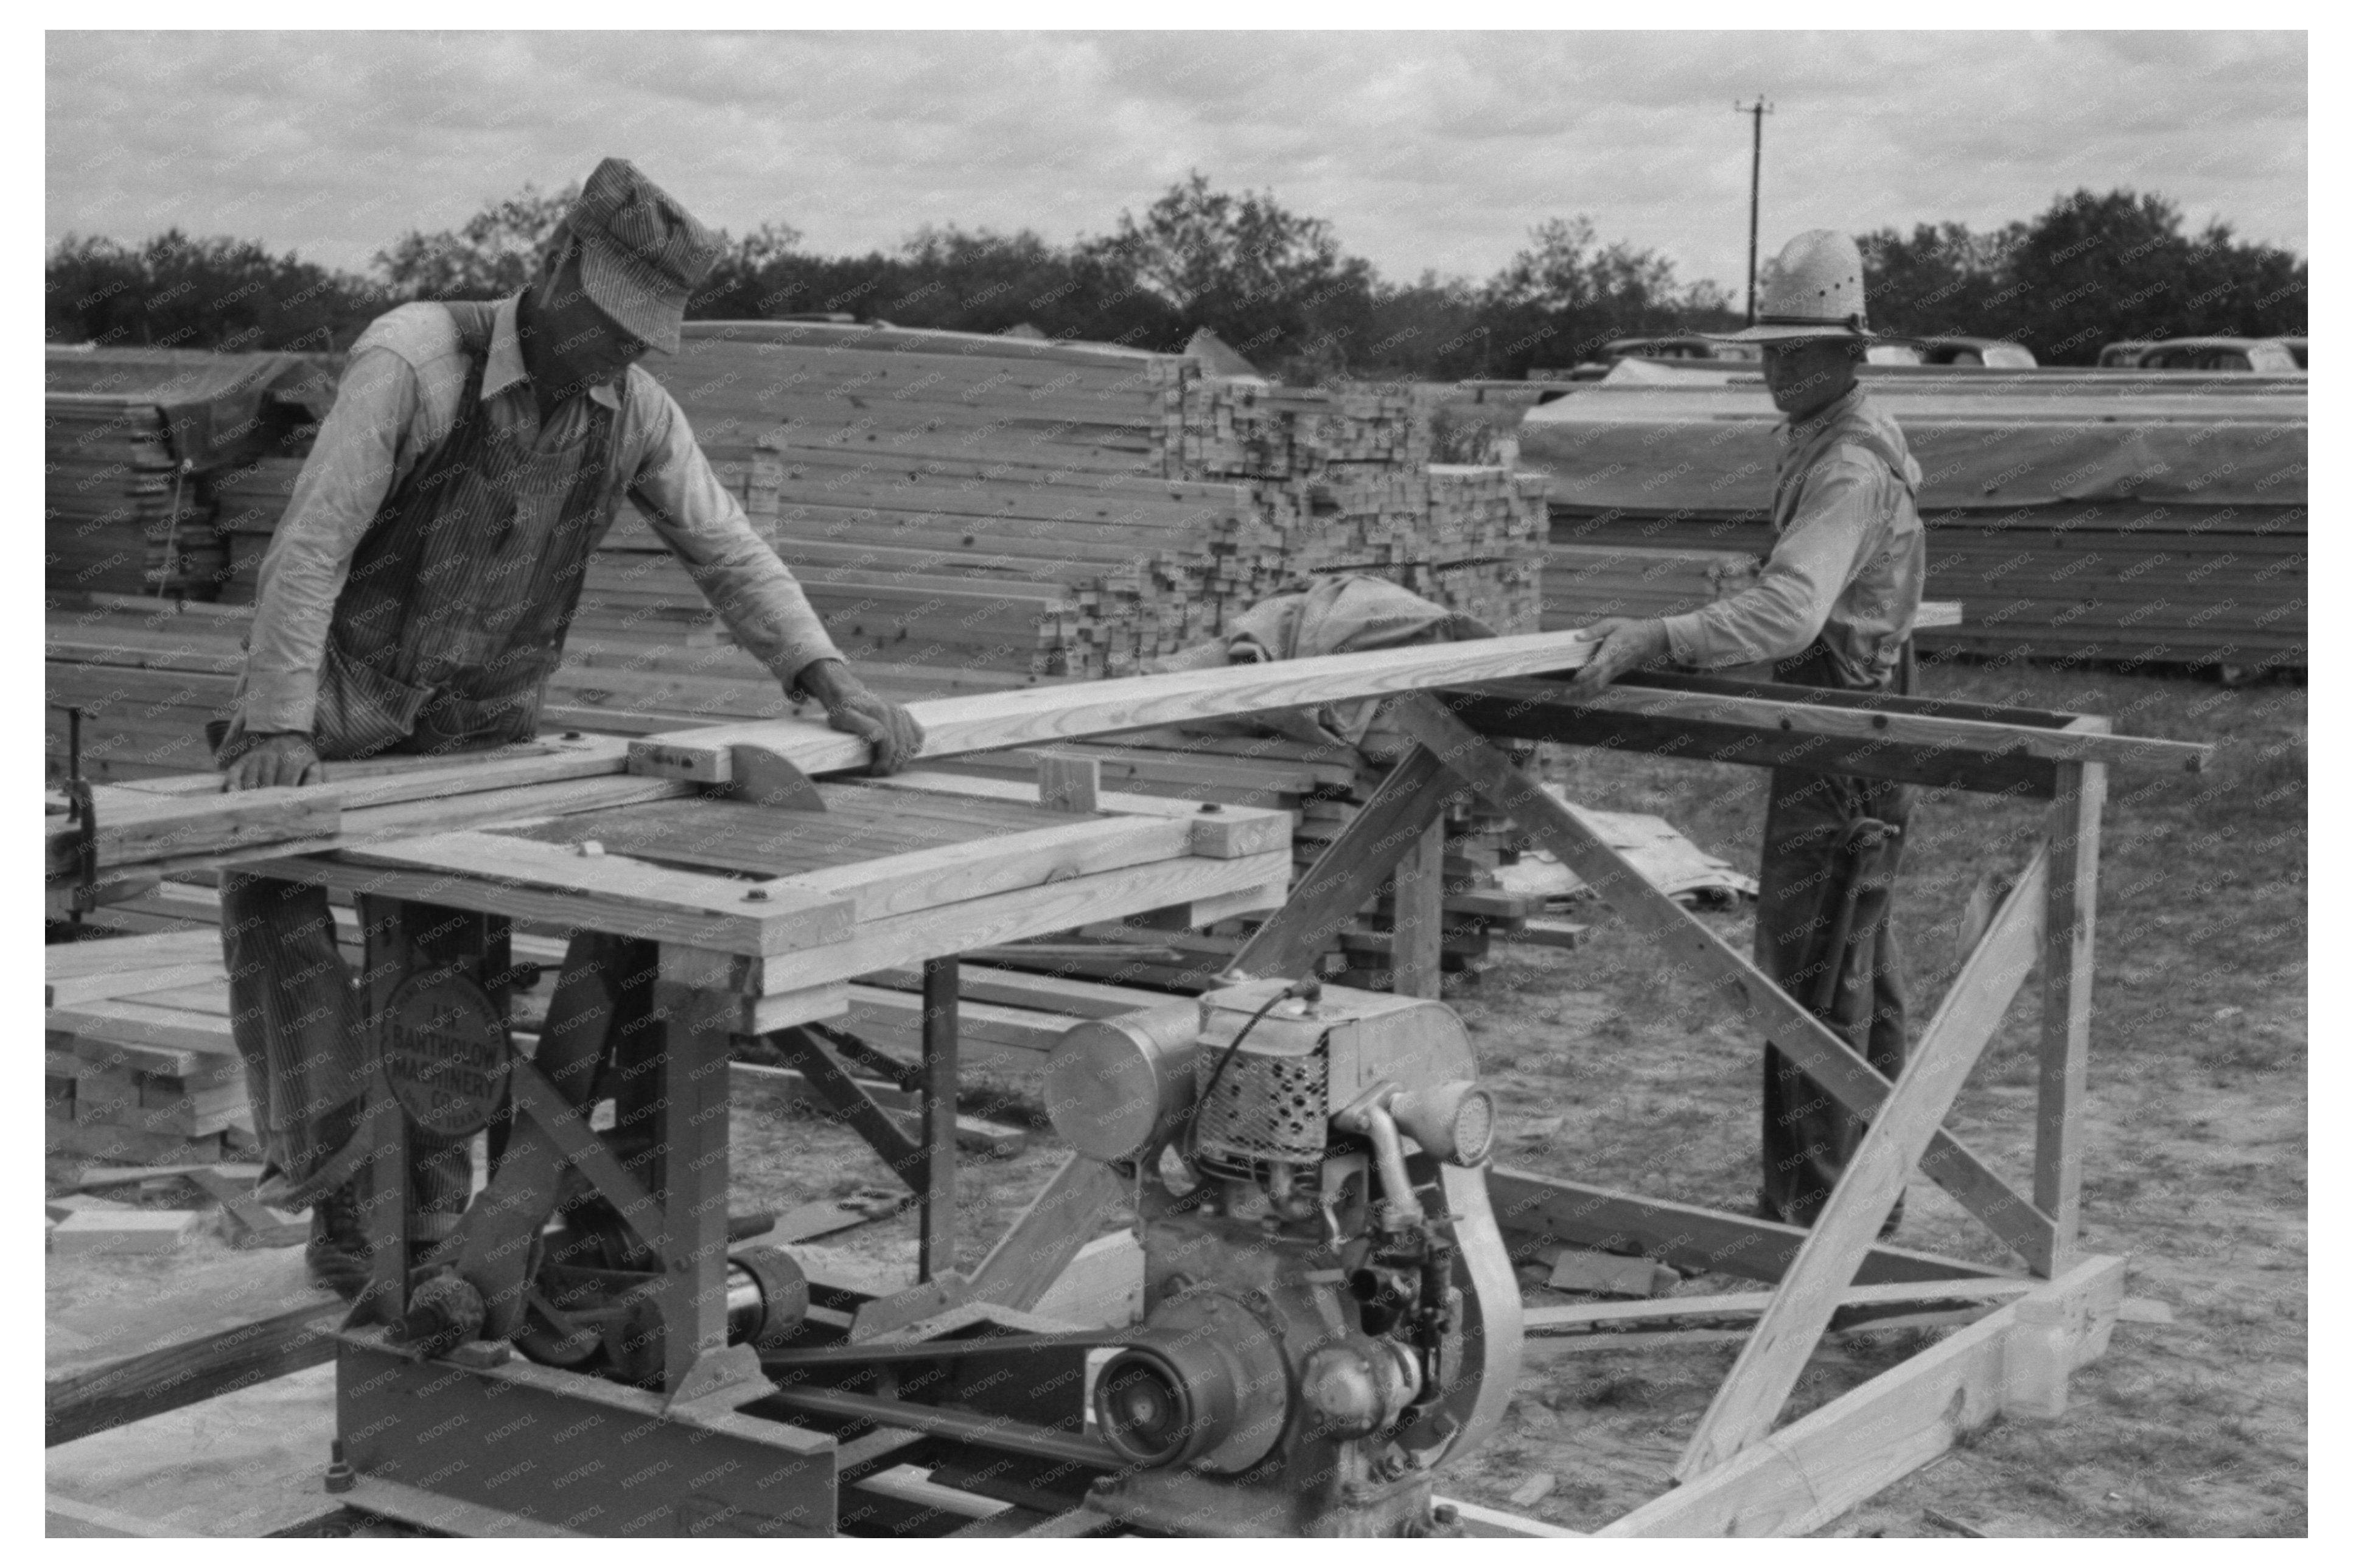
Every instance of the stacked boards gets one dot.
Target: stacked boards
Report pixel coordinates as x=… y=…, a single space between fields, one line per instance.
x=2150 y=518
x=993 y=503
x=120 y=514
x=1584 y=582
x=140 y=1067
x=139 y=446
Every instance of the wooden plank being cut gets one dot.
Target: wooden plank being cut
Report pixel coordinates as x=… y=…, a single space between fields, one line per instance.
x=954 y=725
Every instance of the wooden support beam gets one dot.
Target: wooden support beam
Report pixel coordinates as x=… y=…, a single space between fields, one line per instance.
x=136 y=1387
x=1530 y=1207
x=1804 y=1476
x=1600 y=1320
x=1751 y=1396
x=1349 y=872
x=1737 y=983
x=589 y=1154
x=1067 y=783
x=1544 y=711
x=850 y=1102
x=691 y=1127
x=1062 y=1219
x=935 y=1241
x=1420 y=916
x=1041 y=715
x=2065 y=1053
x=1923 y=726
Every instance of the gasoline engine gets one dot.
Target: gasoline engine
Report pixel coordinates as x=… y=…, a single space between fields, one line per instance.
x=1330 y=1311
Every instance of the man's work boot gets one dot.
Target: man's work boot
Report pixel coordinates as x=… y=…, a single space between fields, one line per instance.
x=339 y=1252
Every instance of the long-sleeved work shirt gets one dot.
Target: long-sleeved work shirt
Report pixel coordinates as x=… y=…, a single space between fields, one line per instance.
x=1849 y=554
x=398 y=399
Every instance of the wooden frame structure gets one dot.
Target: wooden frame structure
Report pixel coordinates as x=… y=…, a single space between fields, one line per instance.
x=1737 y=1474
x=728 y=968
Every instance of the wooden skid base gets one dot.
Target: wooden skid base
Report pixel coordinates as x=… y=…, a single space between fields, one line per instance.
x=2014 y=1363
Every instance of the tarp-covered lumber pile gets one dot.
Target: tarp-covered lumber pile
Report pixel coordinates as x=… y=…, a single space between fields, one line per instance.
x=2139 y=518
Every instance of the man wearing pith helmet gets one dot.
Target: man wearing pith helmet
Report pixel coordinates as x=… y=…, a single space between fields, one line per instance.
x=415 y=598
x=1834 y=607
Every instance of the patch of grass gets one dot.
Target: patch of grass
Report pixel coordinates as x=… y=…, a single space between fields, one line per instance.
x=1616 y=1390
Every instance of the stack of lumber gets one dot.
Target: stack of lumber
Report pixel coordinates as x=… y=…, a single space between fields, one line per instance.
x=1583 y=582
x=1078 y=509
x=1464 y=537
x=1243 y=426
x=121 y=514
x=2153 y=519
x=146 y=676
x=140 y=442
x=994 y=503
x=140 y=1067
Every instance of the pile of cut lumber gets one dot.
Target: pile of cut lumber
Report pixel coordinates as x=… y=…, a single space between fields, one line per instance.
x=1243 y=426
x=1067 y=509
x=122 y=514
x=2153 y=519
x=140 y=1067
x=1583 y=582
x=141 y=442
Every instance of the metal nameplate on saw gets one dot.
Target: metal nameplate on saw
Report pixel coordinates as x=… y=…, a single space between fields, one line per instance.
x=445 y=1053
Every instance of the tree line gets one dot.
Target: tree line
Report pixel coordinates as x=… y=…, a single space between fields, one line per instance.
x=1276 y=285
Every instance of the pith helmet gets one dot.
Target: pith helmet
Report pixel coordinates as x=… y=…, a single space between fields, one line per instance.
x=1813 y=290
x=642 y=253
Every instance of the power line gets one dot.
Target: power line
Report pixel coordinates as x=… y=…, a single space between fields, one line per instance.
x=1756 y=112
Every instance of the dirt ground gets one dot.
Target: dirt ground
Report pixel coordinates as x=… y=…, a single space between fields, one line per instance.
x=1610 y=1072
x=2196 y=1140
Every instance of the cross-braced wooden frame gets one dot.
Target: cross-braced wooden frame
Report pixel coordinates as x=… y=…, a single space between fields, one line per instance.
x=1737 y=1474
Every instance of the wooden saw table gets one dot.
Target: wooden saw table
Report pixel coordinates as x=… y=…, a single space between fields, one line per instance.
x=758 y=917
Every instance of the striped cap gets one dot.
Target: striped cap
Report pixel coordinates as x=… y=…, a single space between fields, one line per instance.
x=641 y=253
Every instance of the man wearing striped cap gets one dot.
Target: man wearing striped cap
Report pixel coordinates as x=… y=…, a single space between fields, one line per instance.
x=1834 y=607
x=415 y=599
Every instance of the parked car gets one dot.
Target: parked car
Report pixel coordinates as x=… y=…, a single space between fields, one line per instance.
x=1681 y=346
x=1678 y=346
x=2296 y=347
x=2123 y=355
x=1891 y=353
x=2264 y=356
x=1994 y=353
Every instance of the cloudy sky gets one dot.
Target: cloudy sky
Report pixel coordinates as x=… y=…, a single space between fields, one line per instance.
x=1424 y=150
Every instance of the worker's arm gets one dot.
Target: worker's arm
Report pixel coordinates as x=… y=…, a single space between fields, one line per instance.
x=755 y=594
x=1830 y=533
x=353 y=466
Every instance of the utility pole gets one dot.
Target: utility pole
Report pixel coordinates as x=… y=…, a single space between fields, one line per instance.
x=1756 y=112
